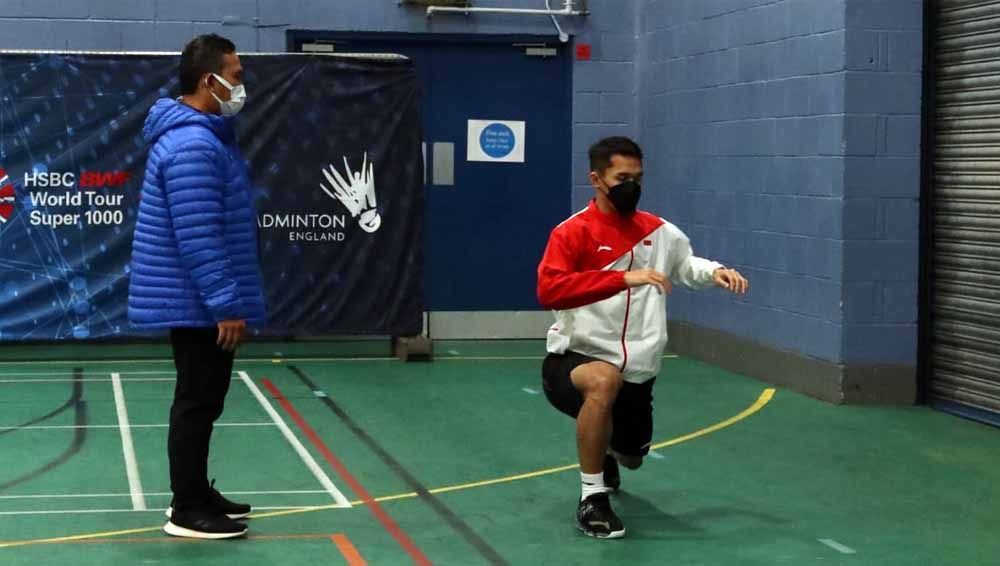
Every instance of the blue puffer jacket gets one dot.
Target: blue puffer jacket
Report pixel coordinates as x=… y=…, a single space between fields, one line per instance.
x=194 y=257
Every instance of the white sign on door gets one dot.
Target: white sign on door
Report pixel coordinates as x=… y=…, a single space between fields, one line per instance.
x=499 y=141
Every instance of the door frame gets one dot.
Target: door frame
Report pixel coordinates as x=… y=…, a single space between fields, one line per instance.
x=295 y=38
x=925 y=283
x=489 y=324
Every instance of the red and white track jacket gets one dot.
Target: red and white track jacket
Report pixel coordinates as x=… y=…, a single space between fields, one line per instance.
x=582 y=278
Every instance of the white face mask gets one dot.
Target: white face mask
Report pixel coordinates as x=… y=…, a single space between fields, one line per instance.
x=237 y=96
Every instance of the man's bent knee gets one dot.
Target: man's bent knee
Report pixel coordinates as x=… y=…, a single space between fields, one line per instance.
x=597 y=379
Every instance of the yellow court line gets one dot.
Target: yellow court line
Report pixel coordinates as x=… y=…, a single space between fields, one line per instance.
x=765 y=397
x=75 y=538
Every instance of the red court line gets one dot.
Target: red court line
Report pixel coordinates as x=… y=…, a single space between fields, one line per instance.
x=346 y=548
x=390 y=525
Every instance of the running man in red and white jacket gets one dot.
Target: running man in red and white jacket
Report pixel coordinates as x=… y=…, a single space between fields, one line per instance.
x=606 y=273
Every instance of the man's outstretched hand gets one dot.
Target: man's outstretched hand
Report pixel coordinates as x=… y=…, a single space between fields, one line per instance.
x=731 y=280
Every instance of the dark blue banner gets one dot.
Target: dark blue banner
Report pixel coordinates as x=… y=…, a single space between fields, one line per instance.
x=334 y=149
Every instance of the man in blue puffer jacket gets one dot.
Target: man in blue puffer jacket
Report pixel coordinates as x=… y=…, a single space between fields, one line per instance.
x=196 y=270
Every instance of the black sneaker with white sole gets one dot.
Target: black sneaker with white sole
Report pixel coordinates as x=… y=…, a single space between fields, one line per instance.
x=612 y=478
x=203 y=524
x=595 y=518
x=219 y=503
x=229 y=508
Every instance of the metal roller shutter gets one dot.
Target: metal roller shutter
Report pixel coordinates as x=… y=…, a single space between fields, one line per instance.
x=965 y=358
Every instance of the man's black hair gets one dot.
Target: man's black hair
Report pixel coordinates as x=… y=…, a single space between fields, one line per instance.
x=203 y=54
x=602 y=152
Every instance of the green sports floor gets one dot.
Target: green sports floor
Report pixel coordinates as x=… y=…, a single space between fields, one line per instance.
x=352 y=457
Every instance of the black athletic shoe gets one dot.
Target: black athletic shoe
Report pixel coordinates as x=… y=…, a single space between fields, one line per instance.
x=202 y=524
x=219 y=503
x=595 y=518
x=612 y=479
x=227 y=507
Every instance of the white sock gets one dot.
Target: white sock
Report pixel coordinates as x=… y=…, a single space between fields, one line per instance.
x=591 y=483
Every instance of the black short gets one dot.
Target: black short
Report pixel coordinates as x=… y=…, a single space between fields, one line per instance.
x=632 y=415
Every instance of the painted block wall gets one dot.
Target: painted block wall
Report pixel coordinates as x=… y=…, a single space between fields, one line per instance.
x=783 y=137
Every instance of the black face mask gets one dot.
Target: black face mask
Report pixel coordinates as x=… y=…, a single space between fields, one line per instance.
x=625 y=197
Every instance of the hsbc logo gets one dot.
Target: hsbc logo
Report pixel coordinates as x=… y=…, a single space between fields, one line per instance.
x=6 y=197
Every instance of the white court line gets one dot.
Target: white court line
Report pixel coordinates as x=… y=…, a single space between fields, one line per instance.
x=75 y=512
x=486 y=358
x=292 y=360
x=274 y=492
x=242 y=361
x=128 y=450
x=502 y=358
x=837 y=546
x=656 y=455
x=88 y=427
x=529 y=391
x=246 y=361
x=307 y=458
x=88 y=511
x=64 y=375
x=86 y=379
x=154 y=494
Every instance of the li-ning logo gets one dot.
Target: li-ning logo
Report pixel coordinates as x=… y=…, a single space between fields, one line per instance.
x=6 y=197
x=357 y=193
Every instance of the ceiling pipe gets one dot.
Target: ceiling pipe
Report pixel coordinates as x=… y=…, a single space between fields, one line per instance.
x=568 y=9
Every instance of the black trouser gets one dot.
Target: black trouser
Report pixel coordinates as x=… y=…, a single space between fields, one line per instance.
x=204 y=371
x=631 y=415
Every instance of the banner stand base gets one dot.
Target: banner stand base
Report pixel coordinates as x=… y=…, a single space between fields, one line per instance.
x=413 y=348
